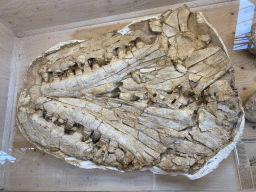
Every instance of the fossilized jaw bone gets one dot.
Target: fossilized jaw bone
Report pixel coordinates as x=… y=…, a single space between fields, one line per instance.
x=159 y=98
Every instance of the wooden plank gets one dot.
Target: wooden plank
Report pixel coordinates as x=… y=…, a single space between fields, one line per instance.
x=29 y=17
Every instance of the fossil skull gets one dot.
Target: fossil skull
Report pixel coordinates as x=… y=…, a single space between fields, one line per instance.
x=161 y=97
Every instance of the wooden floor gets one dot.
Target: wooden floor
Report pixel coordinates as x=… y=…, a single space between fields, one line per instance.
x=35 y=170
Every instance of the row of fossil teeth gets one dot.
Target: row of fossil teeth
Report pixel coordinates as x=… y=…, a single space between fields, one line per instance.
x=71 y=127
x=78 y=142
x=69 y=69
x=125 y=52
x=81 y=64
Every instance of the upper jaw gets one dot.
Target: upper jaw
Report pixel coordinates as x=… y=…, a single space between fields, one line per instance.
x=85 y=74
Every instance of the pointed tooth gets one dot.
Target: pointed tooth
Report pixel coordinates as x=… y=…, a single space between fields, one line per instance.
x=50 y=77
x=95 y=65
x=64 y=65
x=70 y=72
x=87 y=68
x=128 y=97
x=55 y=118
x=64 y=75
x=56 y=77
x=95 y=136
x=120 y=53
x=139 y=43
x=129 y=55
x=101 y=61
x=205 y=38
x=85 y=138
x=113 y=60
x=109 y=56
x=48 y=115
x=71 y=63
x=50 y=70
x=86 y=135
x=78 y=71
x=68 y=125
x=85 y=132
x=45 y=77
x=136 y=78
x=134 y=49
x=56 y=68
x=81 y=59
x=132 y=46
x=181 y=68
x=61 y=121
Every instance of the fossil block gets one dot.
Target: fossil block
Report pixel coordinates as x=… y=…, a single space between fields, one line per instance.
x=250 y=108
x=159 y=96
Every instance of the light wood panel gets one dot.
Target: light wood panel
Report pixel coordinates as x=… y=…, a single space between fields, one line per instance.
x=26 y=17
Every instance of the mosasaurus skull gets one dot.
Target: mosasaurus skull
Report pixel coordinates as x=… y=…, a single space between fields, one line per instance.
x=161 y=98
